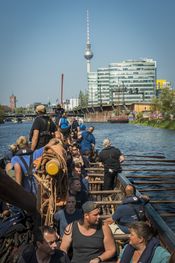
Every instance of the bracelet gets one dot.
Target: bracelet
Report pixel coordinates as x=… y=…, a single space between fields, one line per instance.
x=99 y=259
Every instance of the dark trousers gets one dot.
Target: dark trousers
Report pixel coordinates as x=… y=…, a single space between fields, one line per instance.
x=109 y=179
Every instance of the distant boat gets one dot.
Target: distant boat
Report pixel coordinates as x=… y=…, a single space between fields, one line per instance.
x=119 y=119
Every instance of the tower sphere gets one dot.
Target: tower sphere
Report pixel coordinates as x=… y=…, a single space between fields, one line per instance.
x=88 y=54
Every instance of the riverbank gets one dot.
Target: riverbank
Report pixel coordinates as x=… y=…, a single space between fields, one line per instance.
x=165 y=124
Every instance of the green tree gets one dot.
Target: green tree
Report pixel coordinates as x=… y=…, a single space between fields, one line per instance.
x=165 y=104
x=20 y=110
x=1 y=113
x=83 y=99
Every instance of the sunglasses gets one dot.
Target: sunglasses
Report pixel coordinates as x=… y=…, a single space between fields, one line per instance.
x=53 y=241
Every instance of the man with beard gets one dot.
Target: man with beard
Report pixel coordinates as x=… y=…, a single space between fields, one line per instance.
x=47 y=249
x=91 y=240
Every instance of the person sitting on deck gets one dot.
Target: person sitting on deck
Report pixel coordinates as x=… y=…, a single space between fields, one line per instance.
x=75 y=189
x=131 y=209
x=67 y=215
x=92 y=241
x=79 y=171
x=23 y=164
x=111 y=159
x=46 y=250
x=143 y=246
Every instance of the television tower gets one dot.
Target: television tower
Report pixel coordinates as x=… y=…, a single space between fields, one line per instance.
x=88 y=54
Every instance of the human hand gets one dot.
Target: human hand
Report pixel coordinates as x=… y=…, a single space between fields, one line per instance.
x=95 y=260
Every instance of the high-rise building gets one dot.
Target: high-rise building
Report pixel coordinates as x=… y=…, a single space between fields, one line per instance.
x=12 y=102
x=126 y=82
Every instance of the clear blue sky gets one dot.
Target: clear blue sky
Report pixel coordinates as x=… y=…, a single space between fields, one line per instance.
x=41 y=39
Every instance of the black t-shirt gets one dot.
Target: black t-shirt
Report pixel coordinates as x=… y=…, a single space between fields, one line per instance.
x=46 y=127
x=81 y=197
x=109 y=156
x=29 y=256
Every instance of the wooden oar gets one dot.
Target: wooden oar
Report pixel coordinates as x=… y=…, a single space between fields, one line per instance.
x=150 y=164
x=154 y=182
x=146 y=156
x=15 y=194
x=148 y=160
x=162 y=201
x=150 y=176
x=167 y=214
x=150 y=170
x=157 y=189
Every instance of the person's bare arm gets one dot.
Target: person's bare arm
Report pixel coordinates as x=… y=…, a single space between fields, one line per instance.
x=67 y=239
x=34 y=139
x=122 y=158
x=108 y=221
x=18 y=173
x=109 y=244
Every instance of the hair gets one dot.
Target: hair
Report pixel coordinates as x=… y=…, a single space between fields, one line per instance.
x=143 y=230
x=73 y=179
x=39 y=232
x=91 y=128
x=70 y=195
x=21 y=142
x=13 y=147
x=106 y=142
x=131 y=190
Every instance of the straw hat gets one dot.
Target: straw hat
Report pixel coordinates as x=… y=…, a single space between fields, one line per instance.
x=40 y=109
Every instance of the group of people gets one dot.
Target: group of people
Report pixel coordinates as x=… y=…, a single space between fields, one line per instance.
x=79 y=234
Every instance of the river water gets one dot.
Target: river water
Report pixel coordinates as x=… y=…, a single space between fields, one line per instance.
x=131 y=140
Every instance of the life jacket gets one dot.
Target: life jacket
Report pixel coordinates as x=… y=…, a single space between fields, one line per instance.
x=64 y=124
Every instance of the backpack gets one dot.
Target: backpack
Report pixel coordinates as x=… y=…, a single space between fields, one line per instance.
x=29 y=169
x=139 y=212
x=64 y=123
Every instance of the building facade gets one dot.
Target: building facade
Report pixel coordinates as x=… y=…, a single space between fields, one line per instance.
x=12 y=103
x=124 y=83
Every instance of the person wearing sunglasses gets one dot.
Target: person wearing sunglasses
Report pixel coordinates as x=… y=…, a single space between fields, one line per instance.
x=47 y=249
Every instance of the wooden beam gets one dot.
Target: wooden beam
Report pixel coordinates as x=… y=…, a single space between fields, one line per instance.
x=94 y=169
x=95 y=175
x=105 y=192
x=15 y=194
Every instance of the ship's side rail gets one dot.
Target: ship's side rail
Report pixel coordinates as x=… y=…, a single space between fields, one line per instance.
x=109 y=200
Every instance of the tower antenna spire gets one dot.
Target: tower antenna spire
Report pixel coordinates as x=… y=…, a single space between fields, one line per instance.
x=88 y=52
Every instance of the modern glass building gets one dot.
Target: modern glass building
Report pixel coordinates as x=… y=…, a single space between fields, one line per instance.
x=126 y=82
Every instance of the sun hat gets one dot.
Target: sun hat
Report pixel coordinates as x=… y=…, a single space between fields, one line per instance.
x=40 y=108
